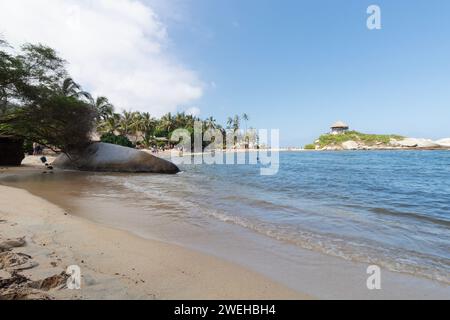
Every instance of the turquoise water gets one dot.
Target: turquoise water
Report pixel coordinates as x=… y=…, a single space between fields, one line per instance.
x=390 y=208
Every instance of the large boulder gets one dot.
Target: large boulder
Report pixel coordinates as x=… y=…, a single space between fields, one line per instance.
x=418 y=143
x=104 y=157
x=332 y=148
x=350 y=145
x=11 y=151
x=444 y=142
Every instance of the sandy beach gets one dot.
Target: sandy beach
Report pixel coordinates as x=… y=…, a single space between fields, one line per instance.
x=151 y=242
x=114 y=264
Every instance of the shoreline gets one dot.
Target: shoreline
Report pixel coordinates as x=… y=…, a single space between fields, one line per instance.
x=116 y=264
x=305 y=273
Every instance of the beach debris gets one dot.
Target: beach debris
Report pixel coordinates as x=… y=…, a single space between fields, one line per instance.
x=4 y=274
x=54 y=282
x=47 y=165
x=15 y=288
x=16 y=261
x=12 y=243
x=19 y=287
x=14 y=279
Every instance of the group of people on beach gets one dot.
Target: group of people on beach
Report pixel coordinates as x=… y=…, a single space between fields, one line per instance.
x=37 y=149
x=156 y=149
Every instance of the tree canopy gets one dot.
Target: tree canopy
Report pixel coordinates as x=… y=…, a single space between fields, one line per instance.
x=39 y=102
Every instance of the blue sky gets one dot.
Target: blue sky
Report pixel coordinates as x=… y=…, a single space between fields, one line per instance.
x=301 y=65
x=293 y=65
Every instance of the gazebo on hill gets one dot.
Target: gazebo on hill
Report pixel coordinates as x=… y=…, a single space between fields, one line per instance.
x=339 y=128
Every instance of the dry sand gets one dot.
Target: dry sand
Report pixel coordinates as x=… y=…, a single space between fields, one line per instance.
x=44 y=240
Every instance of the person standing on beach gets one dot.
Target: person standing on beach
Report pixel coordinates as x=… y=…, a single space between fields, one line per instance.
x=35 y=148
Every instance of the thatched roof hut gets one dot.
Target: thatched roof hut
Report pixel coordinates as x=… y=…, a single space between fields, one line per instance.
x=339 y=127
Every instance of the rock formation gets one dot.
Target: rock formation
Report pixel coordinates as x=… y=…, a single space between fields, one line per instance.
x=104 y=157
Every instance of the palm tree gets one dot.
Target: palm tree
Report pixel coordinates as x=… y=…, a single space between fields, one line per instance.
x=245 y=117
x=110 y=124
x=136 y=125
x=229 y=123
x=126 y=122
x=167 y=122
x=210 y=123
x=103 y=107
x=147 y=123
x=236 y=122
x=72 y=89
x=190 y=121
x=147 y=126
x=180 y=120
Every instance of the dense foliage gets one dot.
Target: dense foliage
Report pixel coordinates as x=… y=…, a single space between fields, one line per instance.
x=367 y=139
x=116 y=139
x=39 y=102
x=310 y=147
x=145 y=130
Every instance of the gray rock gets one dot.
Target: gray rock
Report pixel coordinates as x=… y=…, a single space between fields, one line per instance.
x=417 y=143
x=393 y=143
x=444 y=142
x=332 y=148
x=104 y=157
x=350 y=145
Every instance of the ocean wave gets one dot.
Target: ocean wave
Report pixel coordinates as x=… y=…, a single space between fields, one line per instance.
x=411 y=215
x=394 y=259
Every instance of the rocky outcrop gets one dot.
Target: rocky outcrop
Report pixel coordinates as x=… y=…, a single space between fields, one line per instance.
x=104 y=157
x=350 y=145
x=11 y=151
x=417 y=143
x=444 y=142
x=407 y=143
x=332 y=148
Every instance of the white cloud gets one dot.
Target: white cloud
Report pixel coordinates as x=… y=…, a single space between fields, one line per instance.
x=193 y=111
x=115 y=48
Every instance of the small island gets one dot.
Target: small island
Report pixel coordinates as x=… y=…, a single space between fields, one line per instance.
x=342 y=138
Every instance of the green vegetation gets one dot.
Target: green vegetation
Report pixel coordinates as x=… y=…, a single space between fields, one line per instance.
x=40 y=102
x=119 y=140
x=367 y=139
x=310 y=147
x=146 y=130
